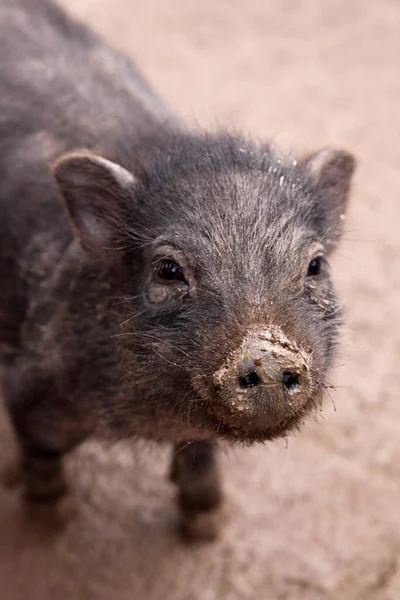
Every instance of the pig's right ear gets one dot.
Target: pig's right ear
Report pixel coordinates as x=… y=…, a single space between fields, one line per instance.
x=330 y=172
x=96 y=192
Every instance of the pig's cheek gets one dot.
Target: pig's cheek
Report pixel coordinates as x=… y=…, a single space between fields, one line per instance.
x=321 y=294
x=159 y=294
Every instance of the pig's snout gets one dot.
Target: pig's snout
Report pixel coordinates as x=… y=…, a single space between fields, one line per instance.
x=265 y=383
x=255 y=370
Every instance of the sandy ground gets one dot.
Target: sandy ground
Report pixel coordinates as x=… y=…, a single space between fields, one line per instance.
x=320 y=519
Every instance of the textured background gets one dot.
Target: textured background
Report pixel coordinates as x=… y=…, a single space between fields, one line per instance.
x=320 y=519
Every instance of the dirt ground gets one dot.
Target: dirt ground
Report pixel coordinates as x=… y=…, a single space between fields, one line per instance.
x=320 y=518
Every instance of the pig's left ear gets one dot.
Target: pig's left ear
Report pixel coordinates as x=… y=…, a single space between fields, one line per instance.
x=330 y=172
x=96 y=192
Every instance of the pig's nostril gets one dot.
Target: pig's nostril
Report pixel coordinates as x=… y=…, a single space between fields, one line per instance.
x=290 y=381
x=250 y=380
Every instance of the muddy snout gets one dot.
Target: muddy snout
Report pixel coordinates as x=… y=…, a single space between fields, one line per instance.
x=266 y=383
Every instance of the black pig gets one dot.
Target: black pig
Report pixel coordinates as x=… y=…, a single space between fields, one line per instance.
x=160 y=283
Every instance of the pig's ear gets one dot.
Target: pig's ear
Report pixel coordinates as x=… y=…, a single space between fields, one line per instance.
x=95 y=191
x=330 y=172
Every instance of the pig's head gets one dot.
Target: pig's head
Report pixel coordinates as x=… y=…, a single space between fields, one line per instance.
x=229 y=318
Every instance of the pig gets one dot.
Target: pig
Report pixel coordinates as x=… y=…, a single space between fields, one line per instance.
x=157 y=281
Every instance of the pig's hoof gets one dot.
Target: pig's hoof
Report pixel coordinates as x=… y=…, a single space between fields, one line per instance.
x=11 y=476
x=200 y=526
x=45 y=492
x=51 y=517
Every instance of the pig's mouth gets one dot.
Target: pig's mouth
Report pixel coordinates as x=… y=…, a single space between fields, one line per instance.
x=234 y=426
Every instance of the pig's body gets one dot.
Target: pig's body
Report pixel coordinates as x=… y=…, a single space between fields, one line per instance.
x=189 y=300
x=61 y=88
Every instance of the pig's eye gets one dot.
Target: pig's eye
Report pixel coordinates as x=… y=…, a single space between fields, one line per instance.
x=169 y=270
x=316 y=266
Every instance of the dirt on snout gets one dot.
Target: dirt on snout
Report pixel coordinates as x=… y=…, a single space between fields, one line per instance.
x=319 y=518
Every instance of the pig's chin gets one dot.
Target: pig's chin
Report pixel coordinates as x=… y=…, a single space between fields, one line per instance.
x=235 y=426
x=249 y=433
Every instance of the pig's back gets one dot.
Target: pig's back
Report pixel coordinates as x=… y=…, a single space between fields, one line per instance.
x=61 y=88
x=58 y=76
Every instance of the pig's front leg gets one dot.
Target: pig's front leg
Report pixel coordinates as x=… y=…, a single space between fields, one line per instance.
x=46 y=429
x=195 y=471
x=42 y=475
